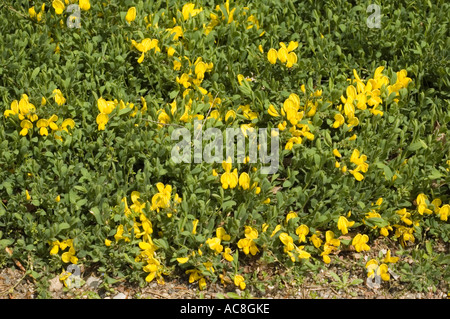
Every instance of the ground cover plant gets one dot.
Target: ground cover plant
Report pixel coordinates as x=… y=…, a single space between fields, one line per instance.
x=356 y=95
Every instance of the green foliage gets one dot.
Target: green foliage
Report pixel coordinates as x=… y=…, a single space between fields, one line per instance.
x=78 y=177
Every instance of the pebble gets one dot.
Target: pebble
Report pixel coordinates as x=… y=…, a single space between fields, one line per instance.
x=55 y=284
x=120 y=296
x=93 y=282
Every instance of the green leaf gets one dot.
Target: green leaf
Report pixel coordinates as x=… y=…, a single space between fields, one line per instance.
x=161 y=242
x=376 y=221
x=417 y=145
x=35 y=73
x=96 y=212
x=63 y=226
x=124 y=111
x=5 y=243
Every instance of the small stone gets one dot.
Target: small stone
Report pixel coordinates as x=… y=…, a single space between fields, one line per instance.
x=55 y=284
x=120 y=296
x=93 y=282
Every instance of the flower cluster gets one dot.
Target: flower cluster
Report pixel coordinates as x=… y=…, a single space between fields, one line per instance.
x=59 y=5
x=284 y=54
x=68 y=256
x=382 y=270
x=26 y=113
x=106 y=107
x=142 y=227
x=247 y=244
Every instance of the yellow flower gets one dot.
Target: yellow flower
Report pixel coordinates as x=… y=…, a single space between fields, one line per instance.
x=84 y=5
x=287 y=241
x=176 y=32
x=272 y=111
x=336 y=153
x=404 y=216
x=330 y=245
x=14 y=109
x=119 y=233
x=374 y=270
x=404 y=233
x=244 y=181
x=214 y=244
x=248 y=246
x=161 y=200
x=317 y=242
x=200 y=69
x=301 y=253
x=59 y=98
x=383 y=272
x=338 y=120
x=371 y=267
x=194 y=275
x=131 y=14
x=69 y=256
x=202 y=283
x=282 y=54
x=188 y=11
x=67 y=123
x=343 y=223
x=385 y=231
x=230 y=113
x=250 y=232
x=26 y=126
x=360 y=242
x=102 y=119
x=42 y=124
x=292 y=46
x=229 y=179
x=55 y=247
x=58 y=5
x=182 y=260
x=277 y=228
x=137 y=205
x=290 y=215
x=108 y=242
x=272 y=56
x=170 y=51
x=58 y=199
x=389 y=259
x=184 y=80
x=227 y=254
x=437 y=202
x=302 y=231
x=423 y=208
x=32 y=12
x=291 y=59
x=326 y=258
x=194 y=226
x=444 y=212
x=239 y=281
x=222 y=234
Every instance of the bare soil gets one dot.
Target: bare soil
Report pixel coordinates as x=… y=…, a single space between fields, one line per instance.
x=16 y=284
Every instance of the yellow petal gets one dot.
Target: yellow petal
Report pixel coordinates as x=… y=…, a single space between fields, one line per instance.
x=182 y=260
x=131 y=14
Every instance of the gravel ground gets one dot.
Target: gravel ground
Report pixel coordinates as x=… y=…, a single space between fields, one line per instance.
x=14 y=284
